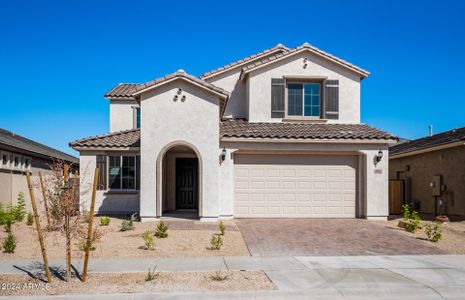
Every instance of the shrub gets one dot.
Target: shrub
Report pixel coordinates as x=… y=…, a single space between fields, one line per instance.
x=162 y=230
x=413 y=223
x=8 y=223
x=147 y=236
x=216 y=242
x=433 y=233
x=19 y=210
x=9 y=243
x=30 y=219
x=218 y=277
x=152 y=275
x=222 y=228
x=406 y=211
x=104 y=221
x=128 y=224
x=13 y=213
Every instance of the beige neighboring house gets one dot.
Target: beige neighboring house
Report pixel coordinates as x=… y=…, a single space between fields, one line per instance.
x=273 y=135
x=18 y=155
x=433 y=171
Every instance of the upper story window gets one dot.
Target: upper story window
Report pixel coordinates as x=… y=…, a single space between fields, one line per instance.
x=136 y=117
x=4 y=159
x=16 y=161
x=122 y=172
x=304 y=99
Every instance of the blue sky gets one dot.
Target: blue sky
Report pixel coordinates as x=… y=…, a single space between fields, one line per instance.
x=58 y=58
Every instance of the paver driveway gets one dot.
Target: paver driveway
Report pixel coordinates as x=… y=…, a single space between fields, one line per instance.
x=301 y=237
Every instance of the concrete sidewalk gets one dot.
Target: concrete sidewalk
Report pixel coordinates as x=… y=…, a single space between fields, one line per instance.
x=342 y=277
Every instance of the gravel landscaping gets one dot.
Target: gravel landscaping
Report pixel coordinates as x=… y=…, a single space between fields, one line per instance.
x=16 y=285
x=185 y=239
x=453 y=234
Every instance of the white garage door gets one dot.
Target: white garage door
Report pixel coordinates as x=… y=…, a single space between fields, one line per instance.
x=289 y=186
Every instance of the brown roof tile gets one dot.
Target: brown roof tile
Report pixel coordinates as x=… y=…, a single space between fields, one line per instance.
x=238 y=128
x=314 y=49
x=122 y=90
x=120 y=139
x=443 y=138
x=278 y=47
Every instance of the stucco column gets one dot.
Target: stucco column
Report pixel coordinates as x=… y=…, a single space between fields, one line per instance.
x=375 y=191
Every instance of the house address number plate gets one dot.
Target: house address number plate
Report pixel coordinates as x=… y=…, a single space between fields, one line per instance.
x=378 y=171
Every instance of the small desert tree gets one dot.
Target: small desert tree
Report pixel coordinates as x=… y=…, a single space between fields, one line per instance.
x=62 y=197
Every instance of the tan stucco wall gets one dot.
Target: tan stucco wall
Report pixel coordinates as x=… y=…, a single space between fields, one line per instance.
x=259 y=86
x=166 y=122
x=105 y=202
x=122 y=114
x=450 y=163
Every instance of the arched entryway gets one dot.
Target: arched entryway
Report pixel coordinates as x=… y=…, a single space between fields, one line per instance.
x=179 y=170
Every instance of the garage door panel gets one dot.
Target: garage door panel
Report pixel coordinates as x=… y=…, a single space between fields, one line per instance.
x=295 y=186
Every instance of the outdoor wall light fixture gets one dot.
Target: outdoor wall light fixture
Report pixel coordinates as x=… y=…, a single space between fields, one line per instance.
x=378 y=157
x=175 y=98
x=223 y=154
x=183 y=98
x=179 y=91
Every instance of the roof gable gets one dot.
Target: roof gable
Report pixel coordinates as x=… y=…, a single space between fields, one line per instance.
x=279 y=48
x=305 y=47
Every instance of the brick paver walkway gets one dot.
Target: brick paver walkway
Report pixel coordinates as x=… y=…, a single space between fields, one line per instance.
x=301 y=237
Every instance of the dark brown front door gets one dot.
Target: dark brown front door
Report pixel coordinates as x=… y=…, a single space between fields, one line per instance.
x=186 y=183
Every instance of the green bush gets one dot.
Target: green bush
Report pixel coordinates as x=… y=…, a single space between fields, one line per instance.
x=433 y=233
x=30 y=219
x=222 y=228
x=13 y=213
x=128 y=224
x=8 y=225
x=149 y=242
x=162 y=230
x=406 y=211
x=9 y=243
x=216 y=242
x=82 y=246
x=413 y=223
x=104 y=221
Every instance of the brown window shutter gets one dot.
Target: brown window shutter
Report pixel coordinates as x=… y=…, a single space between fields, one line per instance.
x=102 y=176
x=277 y=97
x=331 y=99
x=138 y=172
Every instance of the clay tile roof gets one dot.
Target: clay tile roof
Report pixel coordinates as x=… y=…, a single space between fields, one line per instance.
x=443 y=138
x=238 y=128
x=276 y=48
x=123 y=90
x=120 y=139
x=179 y=74
x=15 y=141
x=269 y=59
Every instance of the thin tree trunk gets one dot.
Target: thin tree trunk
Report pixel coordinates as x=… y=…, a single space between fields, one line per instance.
x=67 y=224
x=39 y=230
x=45 y=199
x=89 y=230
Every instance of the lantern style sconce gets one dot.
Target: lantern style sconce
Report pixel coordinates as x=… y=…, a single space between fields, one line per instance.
x=223 y=154
x=378 y=157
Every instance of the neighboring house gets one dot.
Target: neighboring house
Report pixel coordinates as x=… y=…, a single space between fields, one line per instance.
x=18 y=155
x=433 y=171
x=275 y=134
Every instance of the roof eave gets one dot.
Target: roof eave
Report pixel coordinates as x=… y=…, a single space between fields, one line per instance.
x=308 y=140
x=426 y=150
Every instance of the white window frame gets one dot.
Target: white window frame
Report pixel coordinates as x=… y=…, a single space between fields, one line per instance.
x=121 y=166
x=8 y=160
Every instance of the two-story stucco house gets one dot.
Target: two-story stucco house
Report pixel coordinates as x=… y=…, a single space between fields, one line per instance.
x=276 y=134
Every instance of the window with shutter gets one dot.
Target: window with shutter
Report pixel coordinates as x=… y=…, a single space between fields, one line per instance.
x=277 y=97
x=102 y=176
x=331 y=102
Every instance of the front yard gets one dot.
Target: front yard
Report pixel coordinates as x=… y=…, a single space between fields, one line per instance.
x=452 y=239
x=185 y=238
